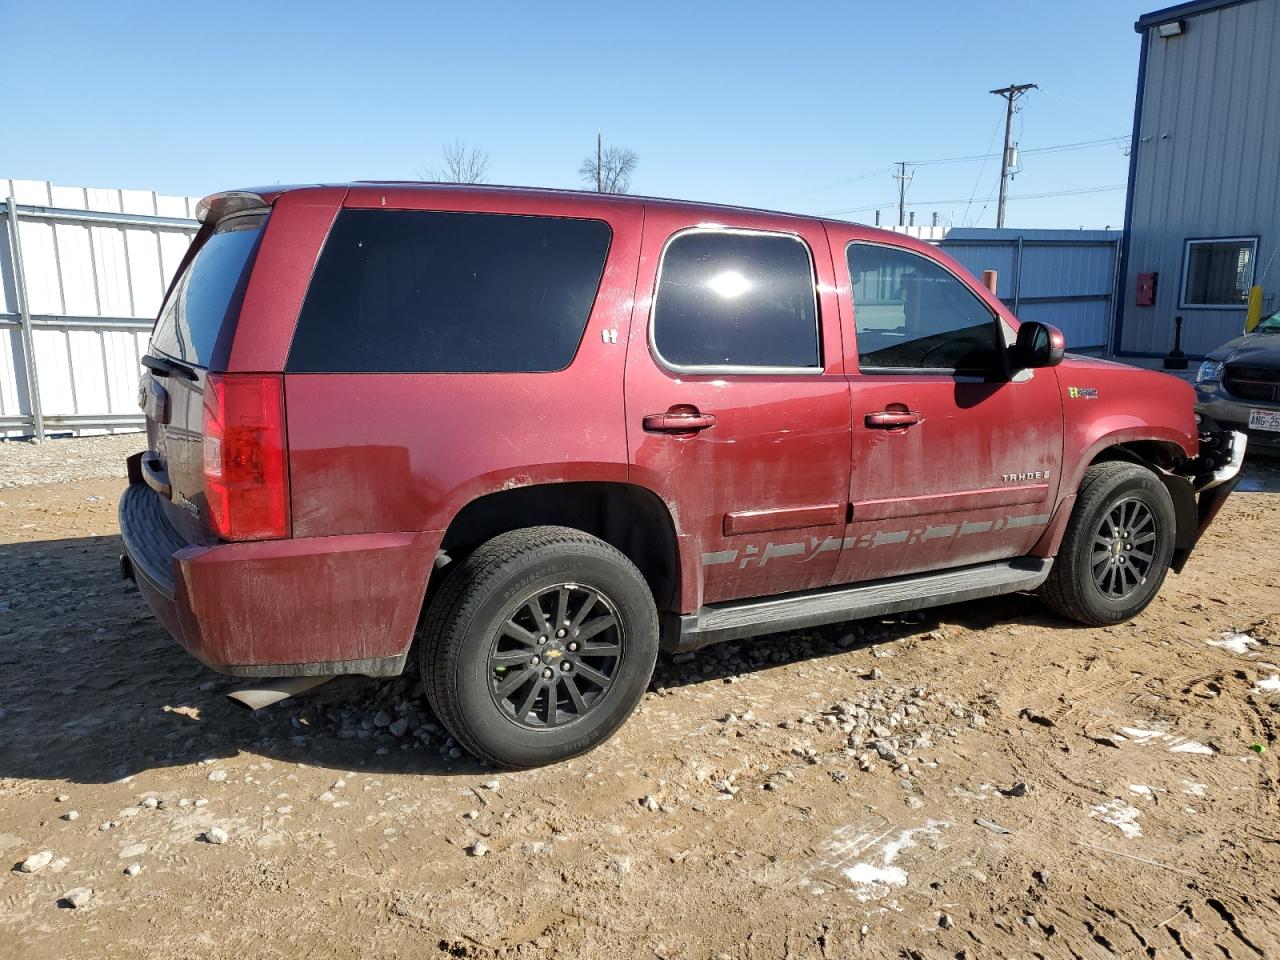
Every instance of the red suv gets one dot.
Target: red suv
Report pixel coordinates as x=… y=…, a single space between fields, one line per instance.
x=544 y=433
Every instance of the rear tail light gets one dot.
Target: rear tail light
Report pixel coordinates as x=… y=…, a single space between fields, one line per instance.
x=246 y=471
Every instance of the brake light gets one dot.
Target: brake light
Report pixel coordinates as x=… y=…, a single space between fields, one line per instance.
x=246 y=471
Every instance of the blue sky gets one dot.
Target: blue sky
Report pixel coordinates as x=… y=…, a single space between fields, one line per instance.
x=793 y=106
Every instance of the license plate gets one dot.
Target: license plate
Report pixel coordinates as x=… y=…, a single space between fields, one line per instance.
x=1264 y=420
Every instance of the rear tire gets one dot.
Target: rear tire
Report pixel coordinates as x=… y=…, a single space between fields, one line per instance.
x=1116 y=549
x=538 y=646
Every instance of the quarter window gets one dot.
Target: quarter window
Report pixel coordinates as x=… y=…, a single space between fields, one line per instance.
x=911 y=314
x=412 y=291
x=736 y=299
x=199 y=317
x=1218 y=273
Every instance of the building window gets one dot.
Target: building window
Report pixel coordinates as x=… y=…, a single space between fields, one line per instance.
x=1218 y=272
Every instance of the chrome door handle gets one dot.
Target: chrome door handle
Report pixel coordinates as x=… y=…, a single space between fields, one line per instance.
x=892 y=419
x=678 y=422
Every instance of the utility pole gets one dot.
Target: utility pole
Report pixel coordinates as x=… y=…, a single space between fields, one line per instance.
x=903 y=180
x=600 y=162
x=1010 y=94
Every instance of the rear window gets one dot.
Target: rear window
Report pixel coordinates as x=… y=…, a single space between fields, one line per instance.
x=428 y=292
x=198 y=319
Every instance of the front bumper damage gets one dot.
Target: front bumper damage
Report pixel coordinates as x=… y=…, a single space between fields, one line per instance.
x=1209 y=479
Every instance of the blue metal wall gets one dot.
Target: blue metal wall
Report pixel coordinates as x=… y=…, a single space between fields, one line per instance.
x=1063 y=277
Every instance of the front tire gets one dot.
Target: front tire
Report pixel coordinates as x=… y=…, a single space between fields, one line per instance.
x=538 y=646
x=1116 y=549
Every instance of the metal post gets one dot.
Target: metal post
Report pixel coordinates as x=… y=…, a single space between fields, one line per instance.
x=903 y=180
x=24 y=315
x=1017 y=278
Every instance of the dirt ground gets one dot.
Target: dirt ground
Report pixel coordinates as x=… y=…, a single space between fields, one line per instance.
x=1058 y=792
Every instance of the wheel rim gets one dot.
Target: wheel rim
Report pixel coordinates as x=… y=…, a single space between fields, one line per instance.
x=1124 y=549
x=555 y=656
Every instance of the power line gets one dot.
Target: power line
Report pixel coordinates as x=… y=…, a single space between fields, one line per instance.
x=981 y=170
x=1119 y=140
x=940 y=203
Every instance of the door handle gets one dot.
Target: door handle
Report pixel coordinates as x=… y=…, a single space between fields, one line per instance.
x=676 y=421
x=892 y=419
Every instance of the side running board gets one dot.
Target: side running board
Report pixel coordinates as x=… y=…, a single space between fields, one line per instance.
x=749 y=618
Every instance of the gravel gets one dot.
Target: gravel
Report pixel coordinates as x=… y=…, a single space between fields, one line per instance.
x=24 y=463
x=36 y=862
x=78 y=897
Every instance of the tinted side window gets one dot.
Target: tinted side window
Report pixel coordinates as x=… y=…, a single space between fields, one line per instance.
x=419 y=291
x=910 y=313
x=736 y=299
x=197 y=320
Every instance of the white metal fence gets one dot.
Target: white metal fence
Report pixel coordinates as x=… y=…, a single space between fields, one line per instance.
x=82 y=273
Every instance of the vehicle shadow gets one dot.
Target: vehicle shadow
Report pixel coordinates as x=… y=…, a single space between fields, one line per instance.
x=1261 y=474
x=92 y=690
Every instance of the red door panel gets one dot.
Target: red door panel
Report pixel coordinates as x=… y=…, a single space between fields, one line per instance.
x=759 y=496
x=946 y=470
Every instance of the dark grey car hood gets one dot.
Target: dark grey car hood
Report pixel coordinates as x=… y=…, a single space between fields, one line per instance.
x=1262 y=349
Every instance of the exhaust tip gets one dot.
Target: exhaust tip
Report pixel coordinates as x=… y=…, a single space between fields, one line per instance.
x=273 y=691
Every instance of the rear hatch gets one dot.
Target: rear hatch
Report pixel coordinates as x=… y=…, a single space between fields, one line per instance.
x=192 y=337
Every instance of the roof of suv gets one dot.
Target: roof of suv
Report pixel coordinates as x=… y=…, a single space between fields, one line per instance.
x=580 y=196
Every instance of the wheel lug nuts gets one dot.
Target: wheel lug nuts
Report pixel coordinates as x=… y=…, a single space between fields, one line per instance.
x=542 y=639
x=566 y=666
x=548 y=673
x=561 y=633
x=535 y=659
x=573 y=646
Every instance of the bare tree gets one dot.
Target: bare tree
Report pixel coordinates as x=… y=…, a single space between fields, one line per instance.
x=610 y=170
x=461 y=163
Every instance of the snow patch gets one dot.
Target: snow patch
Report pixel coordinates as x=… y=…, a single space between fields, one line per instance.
x=1142 y=736
x=1267 y=684
x=1121 y=815
x=867 y=858
x=1175 y=744
x=1237 y=643
x=1191 y=746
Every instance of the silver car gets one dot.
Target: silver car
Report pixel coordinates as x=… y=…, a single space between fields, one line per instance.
x=1238 y=386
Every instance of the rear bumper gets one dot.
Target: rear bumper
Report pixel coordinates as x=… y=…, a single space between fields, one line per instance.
x=310 y=606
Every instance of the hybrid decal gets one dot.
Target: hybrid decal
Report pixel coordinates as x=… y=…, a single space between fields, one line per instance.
x=808 y=550
x=1082 y=393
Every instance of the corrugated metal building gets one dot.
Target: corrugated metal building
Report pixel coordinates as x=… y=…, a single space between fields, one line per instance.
x=1203 y=211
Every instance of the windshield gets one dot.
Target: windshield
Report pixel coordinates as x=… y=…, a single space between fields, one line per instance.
x=193 y=324
x=1269 y=325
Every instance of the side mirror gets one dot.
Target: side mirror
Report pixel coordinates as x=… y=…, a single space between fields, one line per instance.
x=1038 y=345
